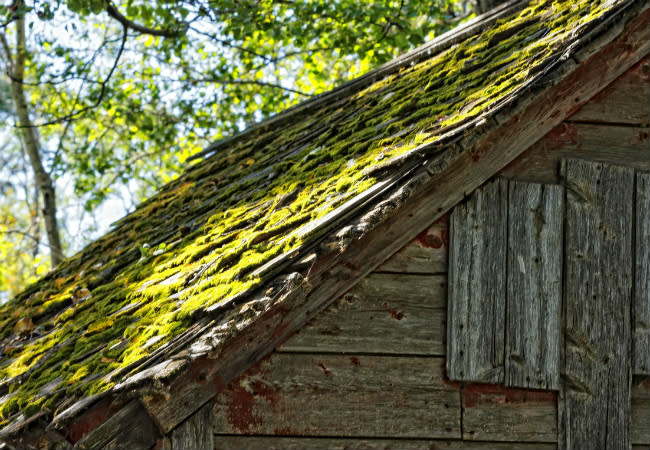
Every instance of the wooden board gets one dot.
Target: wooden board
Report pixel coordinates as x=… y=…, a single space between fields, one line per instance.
x=383 y=313
x=534 y=296
x=333 y=395
x=621 y=145
x=130 y=427
x=626 y=100
x=196 y=432
x=598 y=289
x=427 y=253
x=497 y=413
x=477 y=286
x=640 y=416
x=301 y=443
x=641 y=305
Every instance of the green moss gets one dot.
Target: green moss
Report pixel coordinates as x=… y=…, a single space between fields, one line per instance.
x=236 y=211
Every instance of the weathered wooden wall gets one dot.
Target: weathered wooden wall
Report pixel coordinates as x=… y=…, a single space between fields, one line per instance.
x=613 y=127
x=368 y=372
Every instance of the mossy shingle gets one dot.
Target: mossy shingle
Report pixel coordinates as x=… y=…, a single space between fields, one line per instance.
x=200 y=239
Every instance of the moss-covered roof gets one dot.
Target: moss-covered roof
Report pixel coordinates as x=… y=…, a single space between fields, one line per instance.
x=209 y=235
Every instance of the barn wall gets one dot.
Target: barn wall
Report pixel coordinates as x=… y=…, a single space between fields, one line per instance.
x=368 y=372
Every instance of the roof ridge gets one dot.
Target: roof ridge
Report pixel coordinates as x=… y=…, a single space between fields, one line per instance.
x=425 y=51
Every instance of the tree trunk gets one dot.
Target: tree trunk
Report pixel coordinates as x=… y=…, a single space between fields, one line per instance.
x=30 y=142
x=483 y=6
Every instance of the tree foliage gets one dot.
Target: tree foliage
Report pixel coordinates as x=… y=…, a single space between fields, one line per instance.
x=120 y=94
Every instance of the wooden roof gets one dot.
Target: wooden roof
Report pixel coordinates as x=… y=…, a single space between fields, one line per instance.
x=228 y=260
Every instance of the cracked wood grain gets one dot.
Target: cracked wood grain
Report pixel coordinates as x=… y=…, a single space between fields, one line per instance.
x=477 y=286
x=641 y=305
x=534 y=285
x=598 y=296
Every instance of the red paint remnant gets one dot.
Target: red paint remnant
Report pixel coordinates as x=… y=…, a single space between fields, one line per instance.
x=429 y=240
x=91 y=419
x=325 y=370
x=284 y=431
x=477 y=394
x=394 y=313
x=351 y=266
x=200 y=370
x=562 y=135
x=355 y=361
x=243 y=394
x=643 y=136
x=444 y=235
x=240 y=409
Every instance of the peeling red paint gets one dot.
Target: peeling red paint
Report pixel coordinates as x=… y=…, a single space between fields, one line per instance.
x=643 y=136
x=394 y=313
x=243 y=394
x=560 y=136
x=325 y=370
x=429 y=240
x=475 y=394
x=355 y=361
x=240 y=409
x=90 y=420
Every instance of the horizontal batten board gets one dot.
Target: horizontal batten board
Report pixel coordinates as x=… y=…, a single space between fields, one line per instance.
x=625 y=100
x=619 y=145
x=301 y=443
x=384 y=313
x=534 y=297
x=427 y=253
x=641 y=305
x=598 y=296
x=477 y=285
x=497 y=413
x=333 y=395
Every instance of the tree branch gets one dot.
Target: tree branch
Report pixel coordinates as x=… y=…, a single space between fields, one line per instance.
x=76 y=115
x=249 y=82
x=33 y=238
x=126 y=23
x=8 y=56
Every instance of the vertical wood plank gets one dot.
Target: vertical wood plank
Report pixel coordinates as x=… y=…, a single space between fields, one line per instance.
x=641 y=305
x=598 y=290
x=535 y=216
x=477 y=276
x=195 y=432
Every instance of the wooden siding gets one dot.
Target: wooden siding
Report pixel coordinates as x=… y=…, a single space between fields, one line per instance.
x=534 y=292
x=506 y=250
x=427 y=254
x=476 y=332
x=622 y=145
x=625 y=101
x=598 y=296
x=492 y=416
x=641 y=305
x=387 y=313
x=337 y=395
